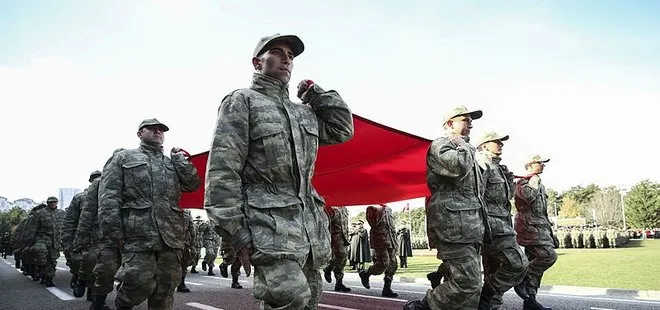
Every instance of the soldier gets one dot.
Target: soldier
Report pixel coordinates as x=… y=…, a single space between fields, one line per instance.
x=338 y=217
x=383 y=241
x=73 y=254
x=534 y=231
x=229 y=257
x=211 y=243
x=23 y=244
x=44 y=231
x=259 y=175
x=188 y=250
x=138 y=210
x=199 y=243
x=504 y=263
x=405 y=245
x=455 y=216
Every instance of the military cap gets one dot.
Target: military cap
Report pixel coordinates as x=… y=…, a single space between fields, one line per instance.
x=51 y=199
x=537 y=159
x=462 y=110
x=492 y=136
x=153 y=122
x=294 y=42
x=94 y=175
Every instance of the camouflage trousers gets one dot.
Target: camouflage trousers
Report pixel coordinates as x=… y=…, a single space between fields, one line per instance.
x=211 y=253
x=462 y=286
x=151 y=275
x=338 y=260
x=86 y=268
x=283 y=284
x=384 y=261
x=541 y=258
x=46 y=257
x=74 y=260
x=505 y=265
x=229 y=257
x=197 y=256
x=106 y=263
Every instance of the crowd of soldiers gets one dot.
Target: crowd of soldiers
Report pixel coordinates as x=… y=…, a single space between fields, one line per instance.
x=590 y=238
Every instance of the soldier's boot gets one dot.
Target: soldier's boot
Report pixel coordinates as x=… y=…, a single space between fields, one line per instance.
x=223 y=270
x=192 y=270
x=90 y=294
x=417 y=305
x=354 y=266
x=99 y=303
x=340 y=287
x=434 y=278
x=364 y=278
x=486 y=298
x=49 y=282
x=182 y=287
x=79 y=289
x=74 y=280
x=234 y=282
x=327 y=274
x=387 y=289
x=211 y=273
x=204 y=266
x=521 y=290
x=17 y=264
x=35 y=271
x=532 y=304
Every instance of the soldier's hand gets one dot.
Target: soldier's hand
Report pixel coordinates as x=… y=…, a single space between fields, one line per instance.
x=303 y=86
x=244 y=256
x=177 y=151
x=458 y=140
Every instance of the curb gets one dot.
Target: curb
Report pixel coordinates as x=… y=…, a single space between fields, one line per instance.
x=552 y=289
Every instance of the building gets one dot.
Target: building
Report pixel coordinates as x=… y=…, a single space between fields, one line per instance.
x=65 y=197
x=24 y=203
x=4 y=204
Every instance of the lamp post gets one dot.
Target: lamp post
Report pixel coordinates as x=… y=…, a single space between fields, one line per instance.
x=623 y=209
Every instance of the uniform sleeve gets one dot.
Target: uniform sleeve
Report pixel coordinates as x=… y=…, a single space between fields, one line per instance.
x=88 y=212
x=110 y=199
x=71 y=221
x=334 y=116
x=223 y=198
x=526 y=192
x=450 y=160
x=188 y=176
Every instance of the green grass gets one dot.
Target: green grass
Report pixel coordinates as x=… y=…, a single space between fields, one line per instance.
x=636 y=266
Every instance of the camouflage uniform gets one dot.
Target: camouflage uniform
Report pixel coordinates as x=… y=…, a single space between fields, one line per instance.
x=455 y=220
x=44 y=232
x=383 y=240
x=339 y=241
x=23 y=244
x=138 y=209
x=188 y=250
x=73 y=257
x=259 y=175
x=211 y=242
x=229 y=257
x=534 y=232
x=198 y=243
x=503 y=260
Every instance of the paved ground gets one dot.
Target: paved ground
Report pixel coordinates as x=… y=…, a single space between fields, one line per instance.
x=18 y=292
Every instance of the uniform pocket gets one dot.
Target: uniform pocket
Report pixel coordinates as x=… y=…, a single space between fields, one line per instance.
x=462 y=222
x=271 y=141
x=137 y=179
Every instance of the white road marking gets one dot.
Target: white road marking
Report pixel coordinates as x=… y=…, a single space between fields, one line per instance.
x=202 y=306
x=60 y=268
x=594 y=308
x=606 y=299
x=335 y=307
x=193 y=283
x=60 y=293
x=365 y=296
x=225 y=279
x=395 y=290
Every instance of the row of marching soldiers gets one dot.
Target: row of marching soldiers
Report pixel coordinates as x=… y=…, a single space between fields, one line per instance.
x=598 y=237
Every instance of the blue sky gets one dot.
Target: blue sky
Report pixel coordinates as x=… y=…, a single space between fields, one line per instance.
x=577 y=81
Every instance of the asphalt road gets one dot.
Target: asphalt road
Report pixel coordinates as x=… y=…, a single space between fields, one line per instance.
x=18 y=292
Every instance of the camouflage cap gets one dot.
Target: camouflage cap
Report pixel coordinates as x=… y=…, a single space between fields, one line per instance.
x=294 y=42
x=152 y=122
x=94 y=175
x=462 y=110
x=491 y=136
x=51 y=199
x=536 y=159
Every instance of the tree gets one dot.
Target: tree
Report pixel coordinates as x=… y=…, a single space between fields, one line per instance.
x=606 y=204
x=569 y=208
x=360 y=216
x=11 y=218
x=554 y=199
x=582 y=195
x=642 y=205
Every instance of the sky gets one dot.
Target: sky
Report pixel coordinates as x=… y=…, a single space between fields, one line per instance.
x=575 y=81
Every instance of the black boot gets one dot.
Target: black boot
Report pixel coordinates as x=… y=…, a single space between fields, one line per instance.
x=486 y=298
x=532 y=304
x=79 y=289
x=192 y=270
x=387 y=289
x=18 y=264
x=211 y=273
x=340 y=287
x=90 y=295
x=74 y=280
x=223 y=270
x=364 y=278
x=417 y=305
x=434 y=278
x=204 y=266
x=99 y=303
x=49 y=282
x=327 y=274
x=182 y=287
x=521 y=290
x=234 y=282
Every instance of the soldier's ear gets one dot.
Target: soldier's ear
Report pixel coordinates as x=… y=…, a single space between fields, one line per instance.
x=256 y=63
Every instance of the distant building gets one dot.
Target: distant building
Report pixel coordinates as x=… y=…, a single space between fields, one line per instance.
x=24 y=203
x=65 y=197
x=4 y=204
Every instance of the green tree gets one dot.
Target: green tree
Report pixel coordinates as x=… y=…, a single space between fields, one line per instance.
x=642 y=205
x=360 y=216
x=569 y=208
x=554 y=199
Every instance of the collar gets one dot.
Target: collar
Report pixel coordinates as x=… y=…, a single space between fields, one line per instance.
x=151 y=149
x=269 y=85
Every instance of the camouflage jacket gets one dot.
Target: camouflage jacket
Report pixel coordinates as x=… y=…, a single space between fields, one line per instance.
x=338 y=217
x=499 y=188
x=260 y=166
x=454 y=212
x=139 y=198
x=29 y=227
x=45 y=228
x=383 y=233
x=532 y=224
x=199 y=240
x=71 y=218
x=88 y=231
x=190 y=232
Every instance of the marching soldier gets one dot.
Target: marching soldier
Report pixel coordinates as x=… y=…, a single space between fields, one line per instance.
x=44 y=232
x=383 y=241
x=339 y=241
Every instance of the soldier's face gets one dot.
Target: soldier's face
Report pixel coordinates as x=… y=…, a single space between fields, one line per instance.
x=277 y=62
x=152 y=135
x=461 y=125
x=536 y=167
x=52 y=205
x=494 y=147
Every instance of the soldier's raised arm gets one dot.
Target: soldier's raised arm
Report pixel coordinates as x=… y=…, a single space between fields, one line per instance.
x=334 y=116
x=223 y=199
x=451 y=158
x=188 y=176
